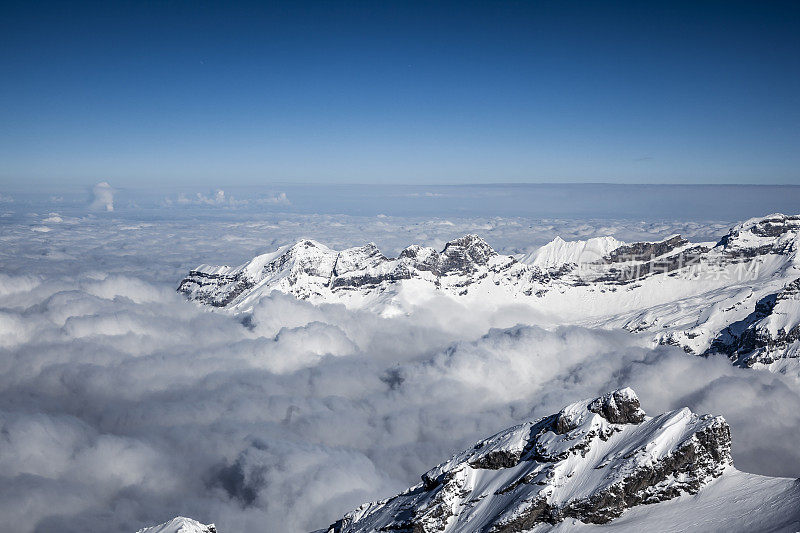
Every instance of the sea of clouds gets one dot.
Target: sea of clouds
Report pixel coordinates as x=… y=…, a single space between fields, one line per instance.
x=123 y=405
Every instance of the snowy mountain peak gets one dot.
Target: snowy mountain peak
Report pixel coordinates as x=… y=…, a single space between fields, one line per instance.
x=180 y=524
x=768 y=334
x=558 y=252
x=470 y=244
x=590 y=461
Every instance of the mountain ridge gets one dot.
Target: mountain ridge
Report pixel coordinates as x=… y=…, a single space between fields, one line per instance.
x=692 y=295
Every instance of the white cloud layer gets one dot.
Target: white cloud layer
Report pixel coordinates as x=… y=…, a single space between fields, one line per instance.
x=122 y=405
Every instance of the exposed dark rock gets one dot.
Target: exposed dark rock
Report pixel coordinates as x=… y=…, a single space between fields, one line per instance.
x=644 y=251
x=746 y=343
x=199 y=280
x=619 y=407
x=768 y=230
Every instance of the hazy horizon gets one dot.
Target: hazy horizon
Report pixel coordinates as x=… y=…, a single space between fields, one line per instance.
x=729 y=203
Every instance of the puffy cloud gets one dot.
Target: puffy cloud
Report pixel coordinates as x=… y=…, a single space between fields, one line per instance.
x=103 y=197
x=278 y=199
x=217 y=198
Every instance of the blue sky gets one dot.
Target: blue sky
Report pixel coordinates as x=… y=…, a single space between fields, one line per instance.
x=202 y=93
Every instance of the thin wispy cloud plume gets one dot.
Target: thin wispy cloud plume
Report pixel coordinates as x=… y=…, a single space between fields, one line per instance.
x=343 y=268
x=103 y=197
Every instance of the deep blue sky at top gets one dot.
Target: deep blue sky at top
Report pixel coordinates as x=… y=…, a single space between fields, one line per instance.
x=221 y=93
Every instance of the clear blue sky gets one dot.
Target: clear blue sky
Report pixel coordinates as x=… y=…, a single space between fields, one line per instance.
x=399 y=92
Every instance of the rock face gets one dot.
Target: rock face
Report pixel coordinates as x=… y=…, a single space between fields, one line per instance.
x=180 y=524
x=773 y=234
x=735 y=297
x=644 y=251
x=769 y=333
x=590 y=461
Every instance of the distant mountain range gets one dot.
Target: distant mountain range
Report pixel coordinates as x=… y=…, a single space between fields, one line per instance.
x=739 y=296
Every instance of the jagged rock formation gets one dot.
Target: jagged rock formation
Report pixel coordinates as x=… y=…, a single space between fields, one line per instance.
x=589 y=462
x=180 y=524
x=309 y=269
x=773 y=234
x=644 y=251
x=769 y=333
x=726 y=297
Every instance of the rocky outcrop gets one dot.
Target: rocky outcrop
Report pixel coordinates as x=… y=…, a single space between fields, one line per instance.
x=772 y=234
x=590 y=461
x=619 y=407
x=769 y=333
x=645 y=251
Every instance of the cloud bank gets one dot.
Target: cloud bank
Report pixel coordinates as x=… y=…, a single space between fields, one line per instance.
x=122 y=405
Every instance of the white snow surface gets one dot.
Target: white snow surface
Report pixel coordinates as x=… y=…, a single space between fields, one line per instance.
x=180 y=524
x=559 y=252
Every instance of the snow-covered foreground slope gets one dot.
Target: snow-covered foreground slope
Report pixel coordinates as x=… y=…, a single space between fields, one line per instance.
x=738 y=296
x=180 y=524
x=599 y=461
x=734 y=502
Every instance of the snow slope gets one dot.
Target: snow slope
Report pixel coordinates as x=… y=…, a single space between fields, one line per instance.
x=734 y=502
x=559 y=252
x=599 y=461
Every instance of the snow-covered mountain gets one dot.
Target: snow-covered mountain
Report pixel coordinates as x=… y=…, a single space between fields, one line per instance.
x=738 y=296
x=589 y=464
x=559 y=252
x=180 y=524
